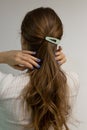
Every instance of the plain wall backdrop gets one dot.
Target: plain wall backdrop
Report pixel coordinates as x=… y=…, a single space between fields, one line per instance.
x=73 y=14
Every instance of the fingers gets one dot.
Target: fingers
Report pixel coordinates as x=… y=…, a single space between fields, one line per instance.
x=28 y=57
x=60 y=56
x=34 y=58
x=58 y=51
x=62 y=61
x=30 y=61
x=60 y=48
x=25 y=58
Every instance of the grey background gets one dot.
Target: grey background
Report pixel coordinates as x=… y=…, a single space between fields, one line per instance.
x=74 y=17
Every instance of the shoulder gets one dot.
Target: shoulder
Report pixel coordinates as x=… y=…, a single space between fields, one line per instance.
x=11 y=85
x=11 y=77
x=2 y=75
x=5 y=80
x=72 y=77
x=6 y=76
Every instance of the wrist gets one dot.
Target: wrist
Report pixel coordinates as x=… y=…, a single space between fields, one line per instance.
x=2 y=57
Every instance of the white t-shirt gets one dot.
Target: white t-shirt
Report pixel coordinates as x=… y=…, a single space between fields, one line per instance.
x=12 y=114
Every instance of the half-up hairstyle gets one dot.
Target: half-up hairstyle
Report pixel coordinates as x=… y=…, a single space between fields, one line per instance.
x=47 y=91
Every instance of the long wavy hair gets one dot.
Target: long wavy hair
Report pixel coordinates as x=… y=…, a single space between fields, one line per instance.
x=47 y=91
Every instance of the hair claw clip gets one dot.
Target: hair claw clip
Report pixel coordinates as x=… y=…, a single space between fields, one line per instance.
x=52 y=40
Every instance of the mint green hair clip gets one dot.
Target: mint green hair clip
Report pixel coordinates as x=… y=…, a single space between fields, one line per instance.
x=52 y=40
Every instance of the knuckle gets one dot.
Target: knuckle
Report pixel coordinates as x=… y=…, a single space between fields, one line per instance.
x=17 y=55
x=16 y=59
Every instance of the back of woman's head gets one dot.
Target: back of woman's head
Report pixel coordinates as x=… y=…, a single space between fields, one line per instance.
x=47 y=91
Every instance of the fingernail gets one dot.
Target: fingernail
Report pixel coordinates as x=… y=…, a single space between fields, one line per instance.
x=32 y=68
x=58 y=62
x=38 y=60
x=34 y=52
x=38 y=66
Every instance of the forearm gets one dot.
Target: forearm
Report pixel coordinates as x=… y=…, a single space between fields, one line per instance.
x=2 y=57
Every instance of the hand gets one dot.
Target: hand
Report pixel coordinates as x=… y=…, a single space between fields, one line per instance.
x=21 y=60
x=60 y=56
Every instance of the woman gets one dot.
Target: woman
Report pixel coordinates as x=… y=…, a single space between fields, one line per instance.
x=38 y=99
